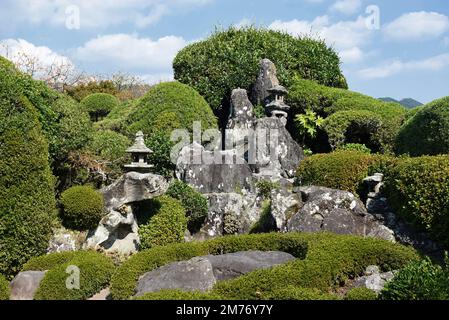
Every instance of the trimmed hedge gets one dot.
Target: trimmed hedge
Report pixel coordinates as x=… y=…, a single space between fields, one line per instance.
x=178 y=295
x=355 y=147
x=124 y=280
x=4 y=285
x=166 y=225
x=109 y=145
x=27 y=201
x=230 y=59
x=427 y=132
x=363 y=294
x=194 y=203
x=417 y=189
x=95 y=273
x=181 y=103
x=82 y=207
x=50 y=261
x=343 y=170
x=99 y=105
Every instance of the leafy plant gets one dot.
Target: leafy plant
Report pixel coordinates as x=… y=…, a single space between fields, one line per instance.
x=308 y=124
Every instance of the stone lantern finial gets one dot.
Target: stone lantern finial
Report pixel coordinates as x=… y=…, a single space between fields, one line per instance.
x=139 y=153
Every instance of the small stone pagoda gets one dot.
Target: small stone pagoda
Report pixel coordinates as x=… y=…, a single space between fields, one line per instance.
x=139 y=154
x=277 y=107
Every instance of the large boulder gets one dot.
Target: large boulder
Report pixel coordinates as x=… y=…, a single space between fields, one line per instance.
x=201 y=273
x=266 y=80
x=25 y=285
x=241 y=114
x=336 y=211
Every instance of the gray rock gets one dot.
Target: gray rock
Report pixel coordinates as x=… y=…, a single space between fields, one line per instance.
x=65 y=240
x=373 y=279
x=192 y=275
x=25 y=285
x=133 y=187
x=241 y=115
x=284 y=204
x=266 y=79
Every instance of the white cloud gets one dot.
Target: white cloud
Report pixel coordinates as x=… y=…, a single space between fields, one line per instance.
x=347 y=6
x=346 y=36
x=435 y=63
x=95 y=13
x=417 y=26
x=129 y=51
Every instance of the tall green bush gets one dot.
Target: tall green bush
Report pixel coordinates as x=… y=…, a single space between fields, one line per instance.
x=27 y=201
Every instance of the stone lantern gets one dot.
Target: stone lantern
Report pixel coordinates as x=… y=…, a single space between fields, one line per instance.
x=139 y=154
x=277 y=107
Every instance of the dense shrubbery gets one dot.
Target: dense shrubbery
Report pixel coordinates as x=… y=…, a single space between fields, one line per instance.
x=82 y=207
x=343 y=170
x=27 y=204
x=81 y=91
x=194 y=203
x=116 y=119
x=95 y=273
x=420 y=280
x=167 y=223
x=361 y=294
x=230 y=59
x=109 y=145
x=355 y=147
x=417 y=189
x=98 y=105
x=161 y=145
x=427 y=132
x=50 y=261
x=4 y=285
x=384 y=117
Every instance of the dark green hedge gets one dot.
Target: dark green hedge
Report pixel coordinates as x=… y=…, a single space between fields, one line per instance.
x=417 y=189
x=95 y=273
x=99 y=105
x=4 y=285
x=427 y=132
x=229 y=59
x=125 y=279
x=27 y=201
x=82 y=207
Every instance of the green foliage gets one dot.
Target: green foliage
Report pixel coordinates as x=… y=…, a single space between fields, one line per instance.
x=231 y=223
x=95 y=272
x=167 y=223
x=109 y=145
x=295 y=293
x=230 y=59
x=116 y=119
x=363 y=294
x=259 y=111
x=326 y=101
x=50 y=261
x=4 y=284
x=265 y=187
x=82 y=207
x=168 y=106
x=308 y=124
x=124 y=281
x=81 y=91
x=343 y=170
x=427 y=132
x=98 y=105
x=419 y=280
x=194 y=203
x=161 y=145
x=6 y=64
x=417 y=190
x=27 y=203
x=357 y=147
x=178 y=295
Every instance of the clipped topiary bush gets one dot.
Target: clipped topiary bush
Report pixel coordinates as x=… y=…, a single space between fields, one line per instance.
x=363 y=294
x=194 y=203
x=419 y=280
x=230 y=59
x=95 y=271
x=109 y=145
x=180 y=103
x=167 y=223
x=343 y=170
x=417 y=190
x=178 y=295
x=82 y=207
x=427 y=132
x=4 y=285
x=27 y=201
x=98 y=105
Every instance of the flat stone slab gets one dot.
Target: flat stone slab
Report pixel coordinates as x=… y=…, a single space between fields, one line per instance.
x=25 y=285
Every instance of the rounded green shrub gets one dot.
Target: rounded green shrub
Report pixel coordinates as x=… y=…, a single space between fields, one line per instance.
x=427 y=132
x=295 y=293
x=343 y=170
x=178 y=295
x=109 y=145
x=95 y=271
x=50 y=261
x=194 y=203
x=229 y=59
x=363 y=294
x=99 y=104
x=417 y=190
x=4 y=285
x=27 y=200
x=81 y=91
x=419 y=280
x=180 y=103
x=167 y=223
x=82 y=207
x=355 y=147
x=116 y=119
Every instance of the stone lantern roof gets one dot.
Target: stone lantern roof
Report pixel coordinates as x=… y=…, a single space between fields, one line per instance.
x=139 y=145
x=139 y=152
x=278 y=89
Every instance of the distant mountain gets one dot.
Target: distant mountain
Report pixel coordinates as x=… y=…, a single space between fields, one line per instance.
x=408 y=103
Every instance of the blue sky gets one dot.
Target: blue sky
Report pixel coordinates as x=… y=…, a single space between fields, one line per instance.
x=405 y=55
